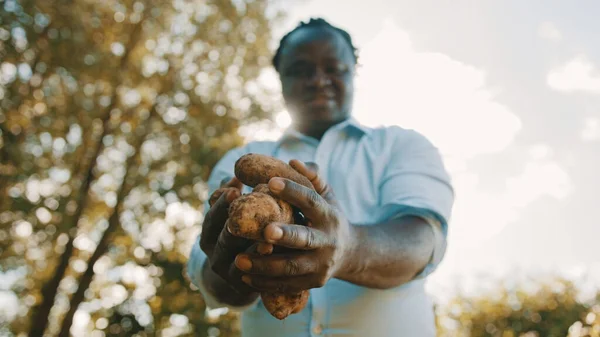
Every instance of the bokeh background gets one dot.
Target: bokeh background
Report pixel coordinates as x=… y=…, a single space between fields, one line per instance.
x=112 y=114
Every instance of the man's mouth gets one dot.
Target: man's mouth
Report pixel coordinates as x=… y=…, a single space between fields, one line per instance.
x=321 y=96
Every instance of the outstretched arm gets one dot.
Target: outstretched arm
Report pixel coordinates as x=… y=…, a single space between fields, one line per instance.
x=377 y=256
x=388 y=254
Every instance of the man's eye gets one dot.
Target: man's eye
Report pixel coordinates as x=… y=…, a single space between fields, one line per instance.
x=339 y=68
x=300 y=71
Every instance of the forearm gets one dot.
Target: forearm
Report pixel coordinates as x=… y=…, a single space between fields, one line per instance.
x=222 y=291
x=389 y=254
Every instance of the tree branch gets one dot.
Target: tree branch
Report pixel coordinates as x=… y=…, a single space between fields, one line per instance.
x=113 y=222
x=41 y=312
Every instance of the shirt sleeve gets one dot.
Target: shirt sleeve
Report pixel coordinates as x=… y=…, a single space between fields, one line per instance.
x=222 y=170
x=416 y=183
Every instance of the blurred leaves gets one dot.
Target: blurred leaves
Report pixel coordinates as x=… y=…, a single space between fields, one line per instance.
x=112 y=114
x=536 y=308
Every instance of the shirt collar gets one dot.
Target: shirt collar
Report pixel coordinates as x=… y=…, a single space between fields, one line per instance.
x=353 y=123
x=349 y=124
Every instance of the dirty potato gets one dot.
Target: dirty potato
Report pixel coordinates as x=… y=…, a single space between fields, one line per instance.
x=253 y=169
x=251 y=213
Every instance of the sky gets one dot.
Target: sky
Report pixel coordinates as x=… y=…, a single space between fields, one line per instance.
x=509 y=91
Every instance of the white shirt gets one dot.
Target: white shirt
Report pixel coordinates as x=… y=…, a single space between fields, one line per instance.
x=376 y=174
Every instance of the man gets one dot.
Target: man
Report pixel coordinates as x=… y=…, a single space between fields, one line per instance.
x=379 y=219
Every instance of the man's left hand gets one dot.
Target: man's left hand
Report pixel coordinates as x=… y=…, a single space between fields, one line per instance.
x=319 y=249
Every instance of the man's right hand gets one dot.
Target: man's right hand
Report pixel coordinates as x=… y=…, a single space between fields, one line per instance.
x=221 y=248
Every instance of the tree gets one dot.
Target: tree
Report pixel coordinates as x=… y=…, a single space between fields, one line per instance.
x=539 y=308
x=112 y=115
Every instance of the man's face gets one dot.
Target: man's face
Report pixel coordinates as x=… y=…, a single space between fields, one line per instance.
x=317 y=71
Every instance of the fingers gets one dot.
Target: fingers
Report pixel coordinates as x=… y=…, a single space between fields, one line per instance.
x=283 y=285
x=235 y=275
x=264 y=248
x=226 y=185
x=296 y=236
x=214 y=222
x=225 y=250
x=232 y=182
x=310 y=203
x=311 y=171
x=286 y=265
x=216 y=195
x=312 y=165
x=235 y=279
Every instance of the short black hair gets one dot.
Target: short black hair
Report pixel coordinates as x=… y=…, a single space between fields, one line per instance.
x=314 y=22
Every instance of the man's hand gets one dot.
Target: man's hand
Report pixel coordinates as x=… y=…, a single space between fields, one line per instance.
x=220 y=246
x=319 y=248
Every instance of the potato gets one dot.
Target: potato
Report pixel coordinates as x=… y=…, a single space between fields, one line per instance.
x=251 y=213
x=253 y=169
x=282 y=305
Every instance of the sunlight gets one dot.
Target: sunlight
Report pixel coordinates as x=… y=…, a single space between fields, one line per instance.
x=283 y=119
x=260 y=131
x=440 y=97
x=449 y=103
x=9 y=307
x=81 y=319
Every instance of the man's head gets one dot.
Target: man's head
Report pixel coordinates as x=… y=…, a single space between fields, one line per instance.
x=316 y=63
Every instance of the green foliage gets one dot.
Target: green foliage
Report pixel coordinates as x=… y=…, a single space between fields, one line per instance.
x=112 y=114
x=540 y=308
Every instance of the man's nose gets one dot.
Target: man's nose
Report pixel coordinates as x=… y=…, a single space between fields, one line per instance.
x=320 y=78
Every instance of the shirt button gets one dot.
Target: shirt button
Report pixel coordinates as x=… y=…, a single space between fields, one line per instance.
x=318 y=329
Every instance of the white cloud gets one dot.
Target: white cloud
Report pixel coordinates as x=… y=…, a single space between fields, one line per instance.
x=548 y=31
x=480 y=215
x=539 y=178
x=449 y=102
x=442 y=98
x=579 y=74
x=591 y=130
x=540 y=151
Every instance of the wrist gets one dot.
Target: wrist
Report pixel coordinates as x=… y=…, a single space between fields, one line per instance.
x=349 y=263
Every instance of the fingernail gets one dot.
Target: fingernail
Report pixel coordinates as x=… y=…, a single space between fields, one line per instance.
x=243 y=263
x=228 y=227
x=275 y=233
x=264 y=248
x=246 y=279
x=276 y=185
